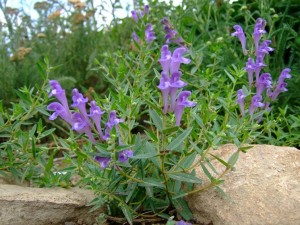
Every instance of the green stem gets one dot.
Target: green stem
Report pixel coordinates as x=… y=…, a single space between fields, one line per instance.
x=163 y=156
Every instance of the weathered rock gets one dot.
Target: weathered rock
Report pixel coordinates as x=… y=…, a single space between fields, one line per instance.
x=264 y=189
x=44 y=206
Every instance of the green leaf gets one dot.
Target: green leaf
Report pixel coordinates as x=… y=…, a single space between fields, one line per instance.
x=170 y=130
x=145 y=156
x=40 y=67
x=185 y=177
x=127 y=213
x=151 y=135
x=178 y=141
x=123 y=147
x=245 y=149
x=156 y=119
x=230 y=76
x=152 y=182
x=97 y=203
x=182 y=208
x=49 y=164
x=47 y=132
x=180 y=195
x=207 y=173
x=233 y=159
x=33 y=148
x=220 y=160
x=198 y=150
x=131 y=192
x=188 y=160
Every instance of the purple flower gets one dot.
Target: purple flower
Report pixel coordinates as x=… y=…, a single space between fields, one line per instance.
x=165 y=59
x=149 y=33
x=264 y=49
x=259 y=29
x=135 y=37
x=182 y=102
x=125 y=155
x=285 y=74
x=177 y=59
x=250 y=68
x=175 y=84
x=95 y=114
x=103 y=161
x=264 y=82
x=146 y=9
x=241 y=36
x=241 y=100
x=255 y=103
x=281 y=85
x=80 y=103
x=134 y=15
x=81 y=126
x=165 y=21
x=59 y=93
x=112 y=122
x=181 y=222
x=259 y=64
x=59 y=110
x=170 y=33
x=164 y=86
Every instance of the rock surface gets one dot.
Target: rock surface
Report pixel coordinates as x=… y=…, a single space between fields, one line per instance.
x=44 y=206
x=264 y=189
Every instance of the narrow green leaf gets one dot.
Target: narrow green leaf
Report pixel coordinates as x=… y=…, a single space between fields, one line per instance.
x=184 y=177
x=170 y=130
x=47 y=132
x=156 y=119
x=49 y=164
x=188 y=160
x=144 y=156
x=33 y=147
x=230 y=76
x=245 y=149
x=198 y=150
x=131 y=192
x=32 y=131
x=41 y=70
x=182 y=208
x=180 y=195
x=152 y=182
x=127 y=213
x=178 y=141
x=207 y=173
x=233 y=159
x=151 y=135
x=220 y=160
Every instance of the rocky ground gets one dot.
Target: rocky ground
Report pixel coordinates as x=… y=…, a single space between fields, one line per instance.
x=263 y=189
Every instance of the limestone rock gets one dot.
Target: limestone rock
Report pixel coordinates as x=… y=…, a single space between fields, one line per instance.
x=264 y=189
x=44 y=206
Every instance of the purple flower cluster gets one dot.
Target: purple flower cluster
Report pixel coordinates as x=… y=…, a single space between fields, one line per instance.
x=81 y=121
x=149 y=32
x=171 y=34
x=263 y=81
x=170 y=82
x=136 y=15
